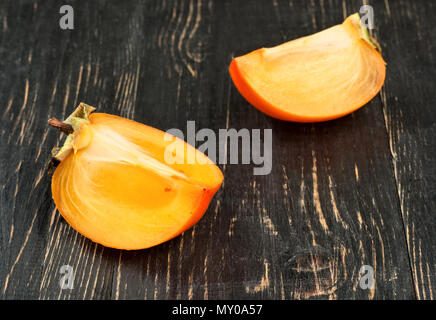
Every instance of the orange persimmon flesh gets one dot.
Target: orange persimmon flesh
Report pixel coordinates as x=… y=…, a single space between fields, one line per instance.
x=316 y=78
x=115 y=187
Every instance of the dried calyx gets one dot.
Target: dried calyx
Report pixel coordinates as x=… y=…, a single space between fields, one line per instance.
x=71 y=126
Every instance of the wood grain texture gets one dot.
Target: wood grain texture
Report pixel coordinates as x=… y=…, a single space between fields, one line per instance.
x=408 y=106
x=343 y=194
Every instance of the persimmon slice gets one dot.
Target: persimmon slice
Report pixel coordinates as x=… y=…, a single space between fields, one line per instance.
x=114 y=186
x=316 y=78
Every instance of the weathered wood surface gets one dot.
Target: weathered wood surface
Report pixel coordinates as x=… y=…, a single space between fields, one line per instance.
x=343 y=194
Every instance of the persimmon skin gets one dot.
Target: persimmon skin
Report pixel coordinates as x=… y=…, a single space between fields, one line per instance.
x=76 y=197
x=243 y=70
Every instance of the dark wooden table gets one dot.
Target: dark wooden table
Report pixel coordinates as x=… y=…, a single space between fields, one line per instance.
x=356 y=191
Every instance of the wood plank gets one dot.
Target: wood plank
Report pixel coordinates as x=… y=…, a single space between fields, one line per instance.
x=408 y=106
x=329 y=206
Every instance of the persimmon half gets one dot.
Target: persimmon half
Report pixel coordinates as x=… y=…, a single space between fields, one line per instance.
x=114 y=185
x=316 y=78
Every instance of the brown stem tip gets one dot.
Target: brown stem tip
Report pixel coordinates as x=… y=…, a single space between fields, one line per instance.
x=63 y=127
